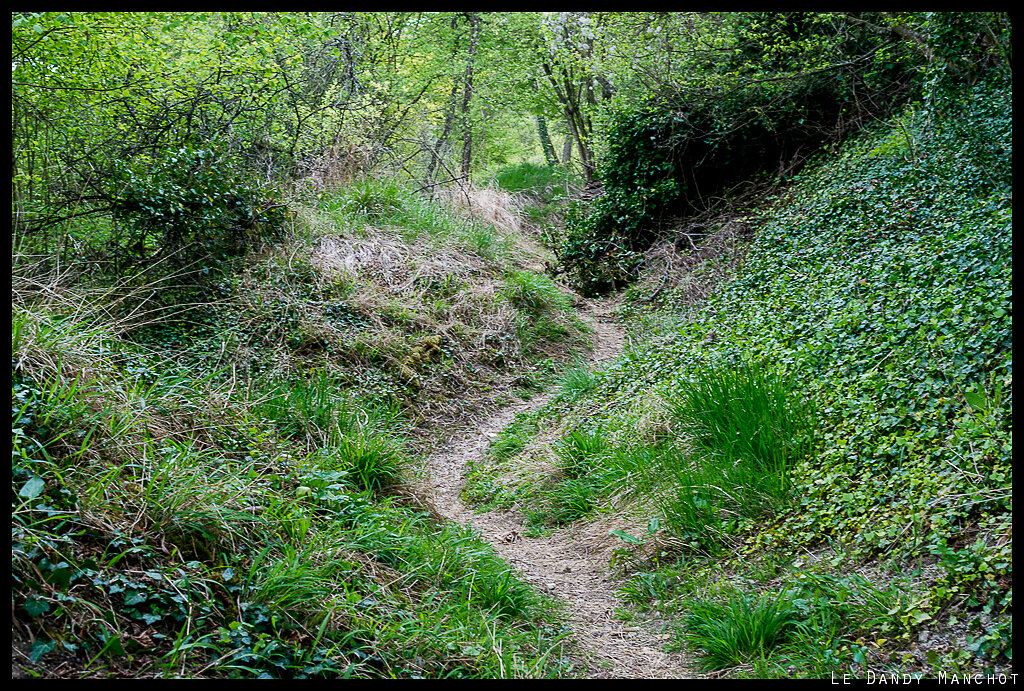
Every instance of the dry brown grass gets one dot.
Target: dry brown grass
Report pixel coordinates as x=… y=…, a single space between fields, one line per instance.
x=400 y=289
x=496 y=207
x=674 y=264
x=335 y=167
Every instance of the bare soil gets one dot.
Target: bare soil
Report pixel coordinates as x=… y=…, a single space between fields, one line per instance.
x=571 y=564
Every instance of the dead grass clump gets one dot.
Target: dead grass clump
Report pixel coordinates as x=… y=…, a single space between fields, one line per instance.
x=490 y=205
x=335 y=167
x=430 y=286
x=694 y=264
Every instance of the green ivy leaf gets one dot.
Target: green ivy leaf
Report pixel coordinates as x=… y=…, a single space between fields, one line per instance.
x=33 y=488
x=35 y=607
x=39 y=649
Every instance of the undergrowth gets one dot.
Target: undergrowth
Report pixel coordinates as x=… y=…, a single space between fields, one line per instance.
x=824 y=437
x=222 y=491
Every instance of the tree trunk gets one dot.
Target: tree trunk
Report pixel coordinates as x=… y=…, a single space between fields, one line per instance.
x=567 y=147
x=568 y=96
x=467 y=135
x=545 y=141
x=449 y=121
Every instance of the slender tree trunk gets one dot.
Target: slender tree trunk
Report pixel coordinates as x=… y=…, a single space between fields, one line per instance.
x=567 y=147
x=449 y=116
x=467 y=135
x=579 y=131
x=442 y=140
x=545 y=141
x=569 y=97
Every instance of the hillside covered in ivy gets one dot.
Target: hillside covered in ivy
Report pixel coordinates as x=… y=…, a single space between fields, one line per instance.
x=512 y=345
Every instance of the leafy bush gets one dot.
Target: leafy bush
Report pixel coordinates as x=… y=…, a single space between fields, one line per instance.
x=676 y=158
x=191 y=204
x=795 y=82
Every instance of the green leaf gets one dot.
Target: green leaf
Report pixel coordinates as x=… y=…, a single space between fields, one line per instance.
x=60 y=577
x=36 y=607
x=33 y=488
x=40 y=648
x=976 y=400
x=919 y=617
x=113 y=646
x=135 y=598
x=626 y=536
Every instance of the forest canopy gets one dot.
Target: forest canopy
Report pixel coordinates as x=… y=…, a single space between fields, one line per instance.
x=140 y=136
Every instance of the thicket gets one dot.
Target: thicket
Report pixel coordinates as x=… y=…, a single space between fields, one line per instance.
x=223 y=490
x=227 y=338
x=791 y=83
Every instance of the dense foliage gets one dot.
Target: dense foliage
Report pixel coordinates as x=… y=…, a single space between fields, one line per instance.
x=790 y=84
x=263 y=262
x=223 y=491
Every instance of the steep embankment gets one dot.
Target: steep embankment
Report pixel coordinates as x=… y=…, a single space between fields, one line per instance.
x=223 y=495
x=874 y=308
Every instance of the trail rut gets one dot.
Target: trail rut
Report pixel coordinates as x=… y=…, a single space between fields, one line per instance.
x=560 y=563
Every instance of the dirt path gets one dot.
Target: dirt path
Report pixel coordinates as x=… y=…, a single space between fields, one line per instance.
x=561 y=563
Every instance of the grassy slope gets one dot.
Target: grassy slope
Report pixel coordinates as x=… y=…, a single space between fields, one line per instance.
x=879 y=287
x=223 y=495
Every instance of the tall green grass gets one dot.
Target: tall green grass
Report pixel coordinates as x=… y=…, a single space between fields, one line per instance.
x=248 y=523
x=576 y=382
x=746 y=430
x=531 y=178
x=808 y=623
x=743 y=626
x=535 y=293
x=349 y=434
x=239 y=528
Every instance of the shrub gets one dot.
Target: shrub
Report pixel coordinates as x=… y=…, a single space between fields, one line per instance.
x=188 y=205
x=685 y=151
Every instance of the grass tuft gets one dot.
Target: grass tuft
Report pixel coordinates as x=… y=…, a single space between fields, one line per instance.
x=746 y=432
x=743 y=626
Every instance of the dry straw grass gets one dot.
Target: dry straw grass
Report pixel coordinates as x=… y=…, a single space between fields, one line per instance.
x=336 y=166
x=390 y=276
x=496 y=207
x=675 y=264
x=446 y=279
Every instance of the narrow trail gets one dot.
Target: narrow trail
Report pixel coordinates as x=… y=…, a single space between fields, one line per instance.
x=560 y=564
